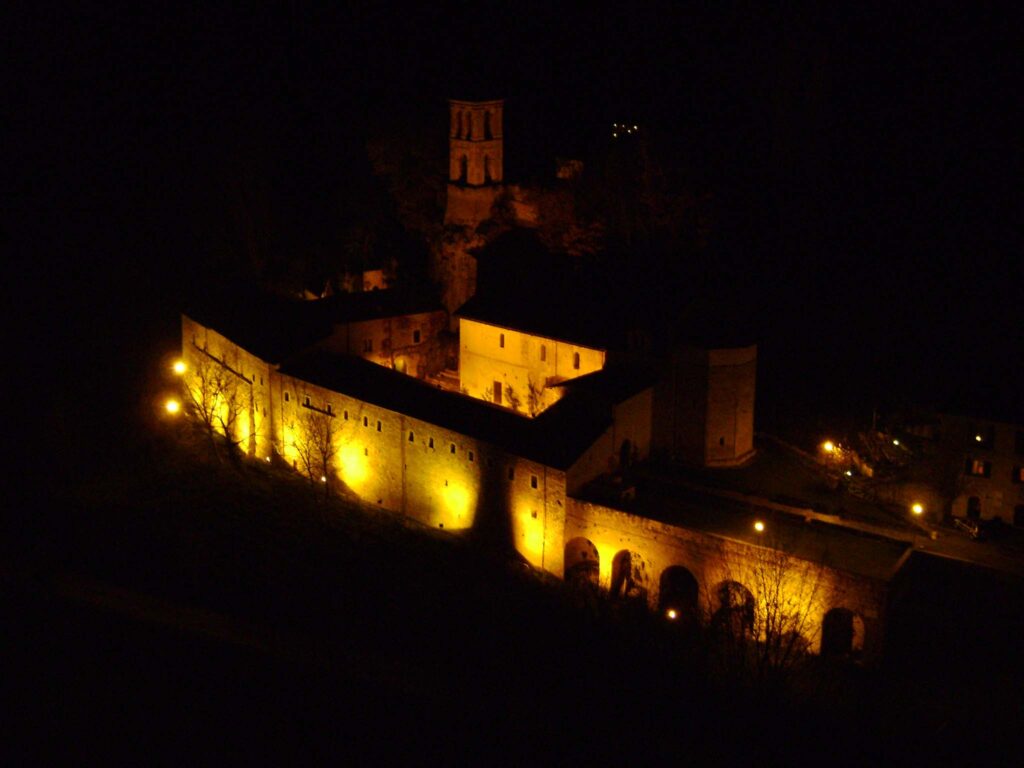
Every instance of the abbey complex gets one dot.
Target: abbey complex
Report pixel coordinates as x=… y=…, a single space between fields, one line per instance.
x=516 y=408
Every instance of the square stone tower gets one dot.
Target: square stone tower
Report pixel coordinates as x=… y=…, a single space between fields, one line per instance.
x=475 y=160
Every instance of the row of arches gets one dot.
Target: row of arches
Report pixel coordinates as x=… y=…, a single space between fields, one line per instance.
x=734 y=605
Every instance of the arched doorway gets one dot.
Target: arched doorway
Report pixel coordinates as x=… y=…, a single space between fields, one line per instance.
x=734 y=614
x=582 y=563
x=842 y=633
x=678 y=591
x=630 y=576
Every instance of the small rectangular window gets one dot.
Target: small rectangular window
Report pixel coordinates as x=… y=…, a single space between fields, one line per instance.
x=979 y=468
x=378 y=425
x=430 y=442
x=501 y=340
x=543 y=353
x=287 y=397
x=344 y=415
x=576 y=360
x=497 y=392
x=305 y=400
x=451 y=448
x=412 y=437
x=415 y=337
x=533 y=481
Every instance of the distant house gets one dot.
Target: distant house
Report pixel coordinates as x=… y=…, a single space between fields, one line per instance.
x=991 y=476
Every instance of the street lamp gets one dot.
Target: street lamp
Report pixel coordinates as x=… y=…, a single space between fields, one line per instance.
x=917 y=508
x=759 y=526
x=829 y=446
x=179 y=367
x=172 y=406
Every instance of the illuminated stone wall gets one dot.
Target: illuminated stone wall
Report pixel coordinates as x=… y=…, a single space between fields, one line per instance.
x=489 y=354
x=391 y=341
x=244 y=381
x=442 y=478
x=803 y=586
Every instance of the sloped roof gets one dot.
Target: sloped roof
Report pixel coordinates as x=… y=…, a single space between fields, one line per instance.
x=556 y=438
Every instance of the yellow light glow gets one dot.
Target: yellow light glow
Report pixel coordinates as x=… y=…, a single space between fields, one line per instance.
x=895 y=442
x=179 y=367
x=323 y=478
x=759 y=526
x=848 y=473
x=918 y=508
x=671 y=613
x=458 y=501
x=828 y=446
x=172 y=406
x=977 y=438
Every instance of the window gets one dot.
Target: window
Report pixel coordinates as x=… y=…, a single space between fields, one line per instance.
x=451 y=448
x=367 y=345
x=305 y=401
x=576 y=360
x=366 y=422
x=287 y=397
x=497 y=392
x=261 y=381
x=430 y=443
x=412 y=437
x=471 y=457
x=543 y=353
x=329 y=409
x=378 y=425
x=415 y=337
x=1018 y=475
x=979 y=468
x=344 y=415
x=983 y=437
x=533 y=481
x=501 y=340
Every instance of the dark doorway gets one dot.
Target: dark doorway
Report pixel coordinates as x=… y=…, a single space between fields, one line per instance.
x=974 y=508
x=837 y=633
x=678 y=591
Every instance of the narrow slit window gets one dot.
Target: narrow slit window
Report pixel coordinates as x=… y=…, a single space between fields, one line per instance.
x=576 y=360
x=378 y=425
x=287 y=397
x=501 y=340
x=366 y=421
x=412 y=437
x=451 y=448
x=533 y=481
x=543 y=353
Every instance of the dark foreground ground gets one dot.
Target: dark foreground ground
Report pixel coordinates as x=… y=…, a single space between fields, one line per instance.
x=167 y=608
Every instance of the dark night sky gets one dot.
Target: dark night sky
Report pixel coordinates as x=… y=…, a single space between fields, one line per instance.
x=865 y=162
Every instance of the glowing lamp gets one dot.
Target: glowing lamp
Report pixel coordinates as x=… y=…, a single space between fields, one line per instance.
x=759 y=526
x=179 y=367
x=895 y=442
x=323 y=479
x=172 y=406
x=977 y=438
x=671 y=613
x=848 y=473
x=828 y=446
x=917 y=508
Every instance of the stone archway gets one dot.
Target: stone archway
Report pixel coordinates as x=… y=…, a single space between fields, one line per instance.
x=678 y=592
x=734 y=609
x=630 y=576
x=582 y=563
x=842 y=633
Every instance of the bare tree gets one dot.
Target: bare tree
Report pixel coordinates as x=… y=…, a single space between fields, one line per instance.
x=218 y=399
x=315 y=442
x=534 y=397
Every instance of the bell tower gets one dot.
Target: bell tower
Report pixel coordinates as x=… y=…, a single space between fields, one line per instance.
x=475 y=160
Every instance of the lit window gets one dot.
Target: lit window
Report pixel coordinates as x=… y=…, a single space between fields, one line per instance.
x=287 y=397
x=576 y=360
x=415 y=337
x=979 y=468
x=344 y=415
x=430 y=442
x=533 y=481
x=329 y=409
x=501 y=340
